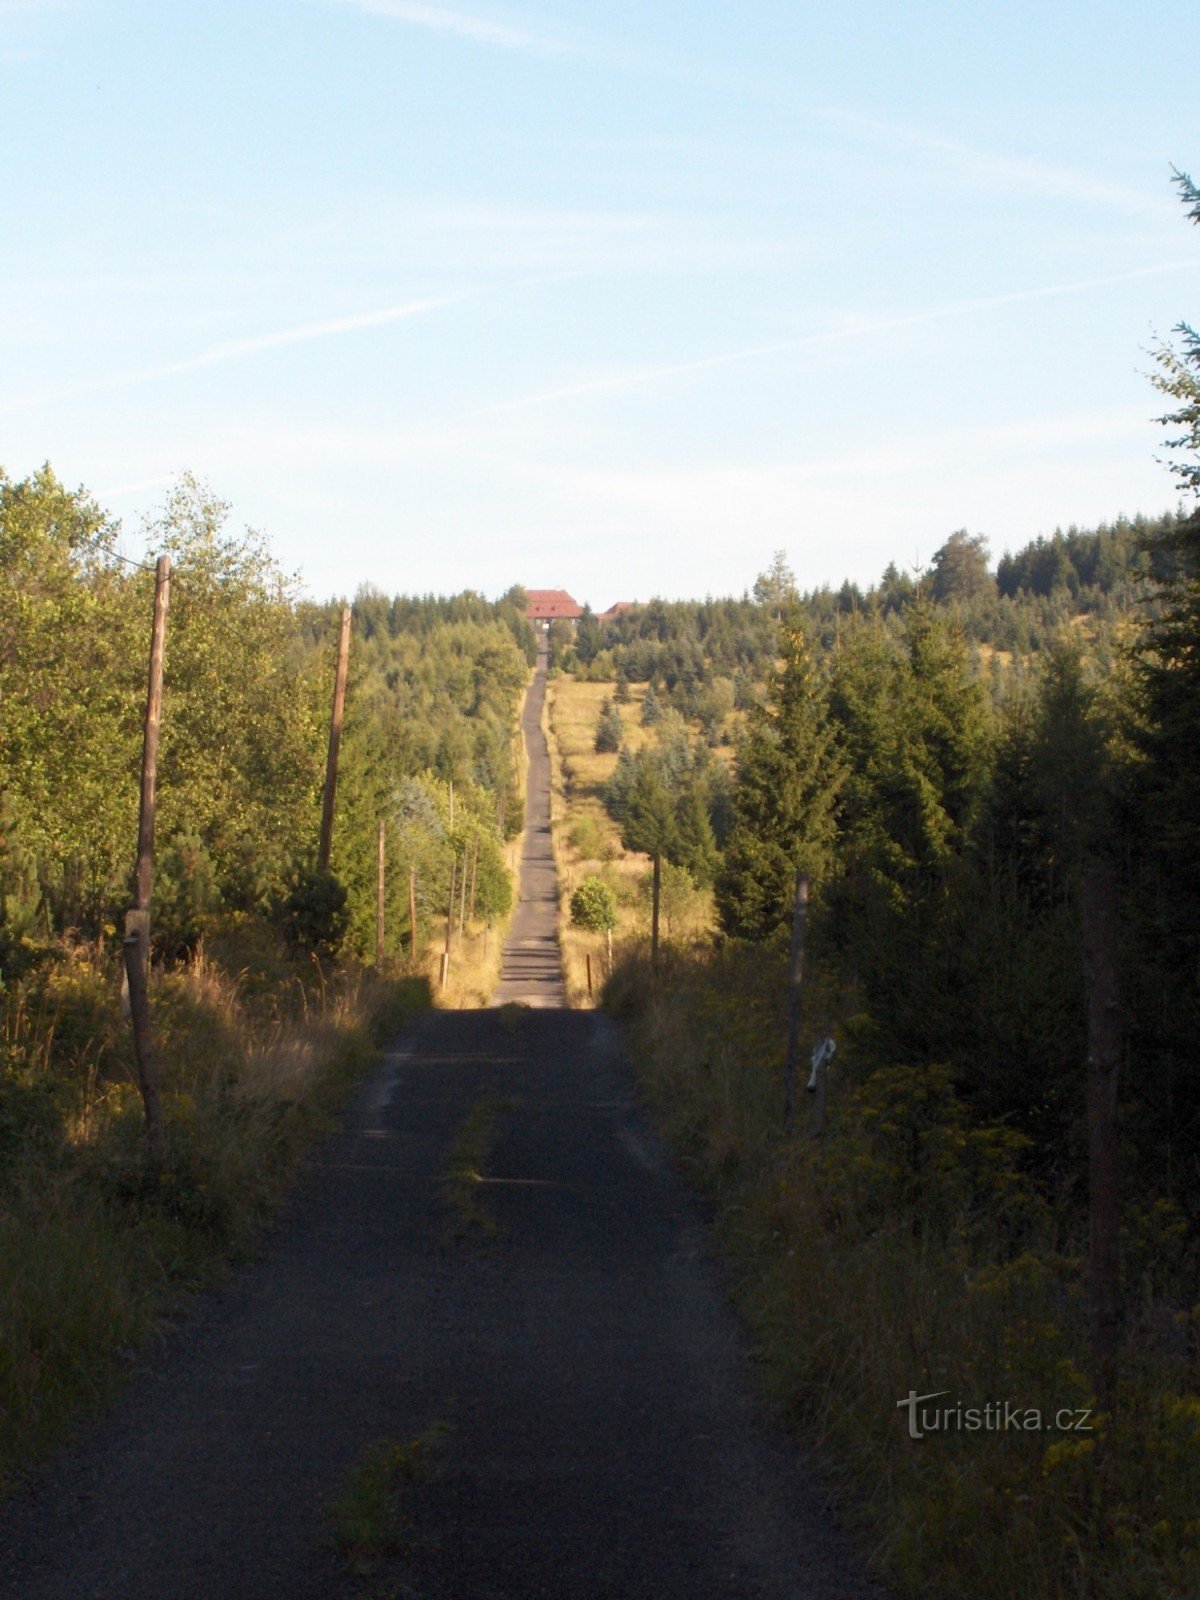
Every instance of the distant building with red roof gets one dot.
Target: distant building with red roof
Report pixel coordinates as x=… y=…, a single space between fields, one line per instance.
x=551 y=605
x=616 y=609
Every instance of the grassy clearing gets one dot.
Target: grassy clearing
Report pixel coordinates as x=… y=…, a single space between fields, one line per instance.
x=256 y=1056
x=587 y=841
x=907 y=1251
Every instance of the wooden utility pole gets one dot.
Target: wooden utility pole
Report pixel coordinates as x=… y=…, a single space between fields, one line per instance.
x=795 y=996
x=335 y=740
x=137 y=921
x=412 y=915
x=1099 y=907
x=657 y=889
x=380 y=887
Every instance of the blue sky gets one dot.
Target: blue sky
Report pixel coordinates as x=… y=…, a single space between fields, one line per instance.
x=616 y=297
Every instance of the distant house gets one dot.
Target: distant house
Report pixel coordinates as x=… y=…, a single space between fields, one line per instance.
x=615 y=610
x=545 y=606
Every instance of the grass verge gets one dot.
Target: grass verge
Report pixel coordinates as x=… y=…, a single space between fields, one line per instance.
x=907 y=1252
x=96 y=1250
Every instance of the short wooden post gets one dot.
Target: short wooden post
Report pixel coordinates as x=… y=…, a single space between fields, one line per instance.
x=795 y=996
x=335 y=740
x=1099 y=907
x=445 y=973
x=589 y=973
x=412 y=915
x=380 y=888
x=657 y=890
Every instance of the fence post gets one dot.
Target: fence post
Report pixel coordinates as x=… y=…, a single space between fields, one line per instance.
x=795 y=995
x=656 y=889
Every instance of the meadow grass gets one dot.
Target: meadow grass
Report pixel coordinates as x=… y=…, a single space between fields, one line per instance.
x=97 y=1249
x=587 y=841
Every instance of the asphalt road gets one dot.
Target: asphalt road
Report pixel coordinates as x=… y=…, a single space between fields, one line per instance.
x=553 y=1315
x=531 y=971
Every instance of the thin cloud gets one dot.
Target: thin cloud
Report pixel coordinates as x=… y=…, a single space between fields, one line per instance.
x=463 y=24
x=1022 y=172
x=849 y=330
x=235 y=349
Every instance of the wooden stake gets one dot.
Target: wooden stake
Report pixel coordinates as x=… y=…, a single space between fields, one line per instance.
x=335 y=740
x=474 y=873
x=462 y=898
x=654 y=911
x=412 y=914
x=450 y=906
x=795 y=995
x=137 y=921
x=380 y=883
x=1099 y=906
x=589 y=973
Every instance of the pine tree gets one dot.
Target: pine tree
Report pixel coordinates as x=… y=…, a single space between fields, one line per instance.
x=784 y=813
x=609 y=731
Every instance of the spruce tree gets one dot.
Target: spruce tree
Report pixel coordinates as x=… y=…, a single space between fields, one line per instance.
x=1169 y=656
x=784 y=811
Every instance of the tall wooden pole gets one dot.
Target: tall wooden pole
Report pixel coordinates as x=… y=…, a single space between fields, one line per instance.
x=1099 y=907
x=474 y=873
x=144 y=876
x=380 y=886
x=450 y=904
x=335 y=740
x=137 y=921
x=795 y=997
x=462 y=898
x=412 y=914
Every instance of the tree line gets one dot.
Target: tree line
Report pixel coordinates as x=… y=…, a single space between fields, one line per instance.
x=428 y=746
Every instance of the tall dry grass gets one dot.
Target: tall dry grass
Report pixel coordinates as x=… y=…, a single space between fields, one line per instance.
x=96 y=1249
x=908 y=1250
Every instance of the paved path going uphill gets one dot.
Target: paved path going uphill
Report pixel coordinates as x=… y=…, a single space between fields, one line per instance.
x=531 y=971
x=491 y=1255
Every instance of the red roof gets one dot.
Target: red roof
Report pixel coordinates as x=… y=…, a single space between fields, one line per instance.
x=546 y=604
x=617 y=607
